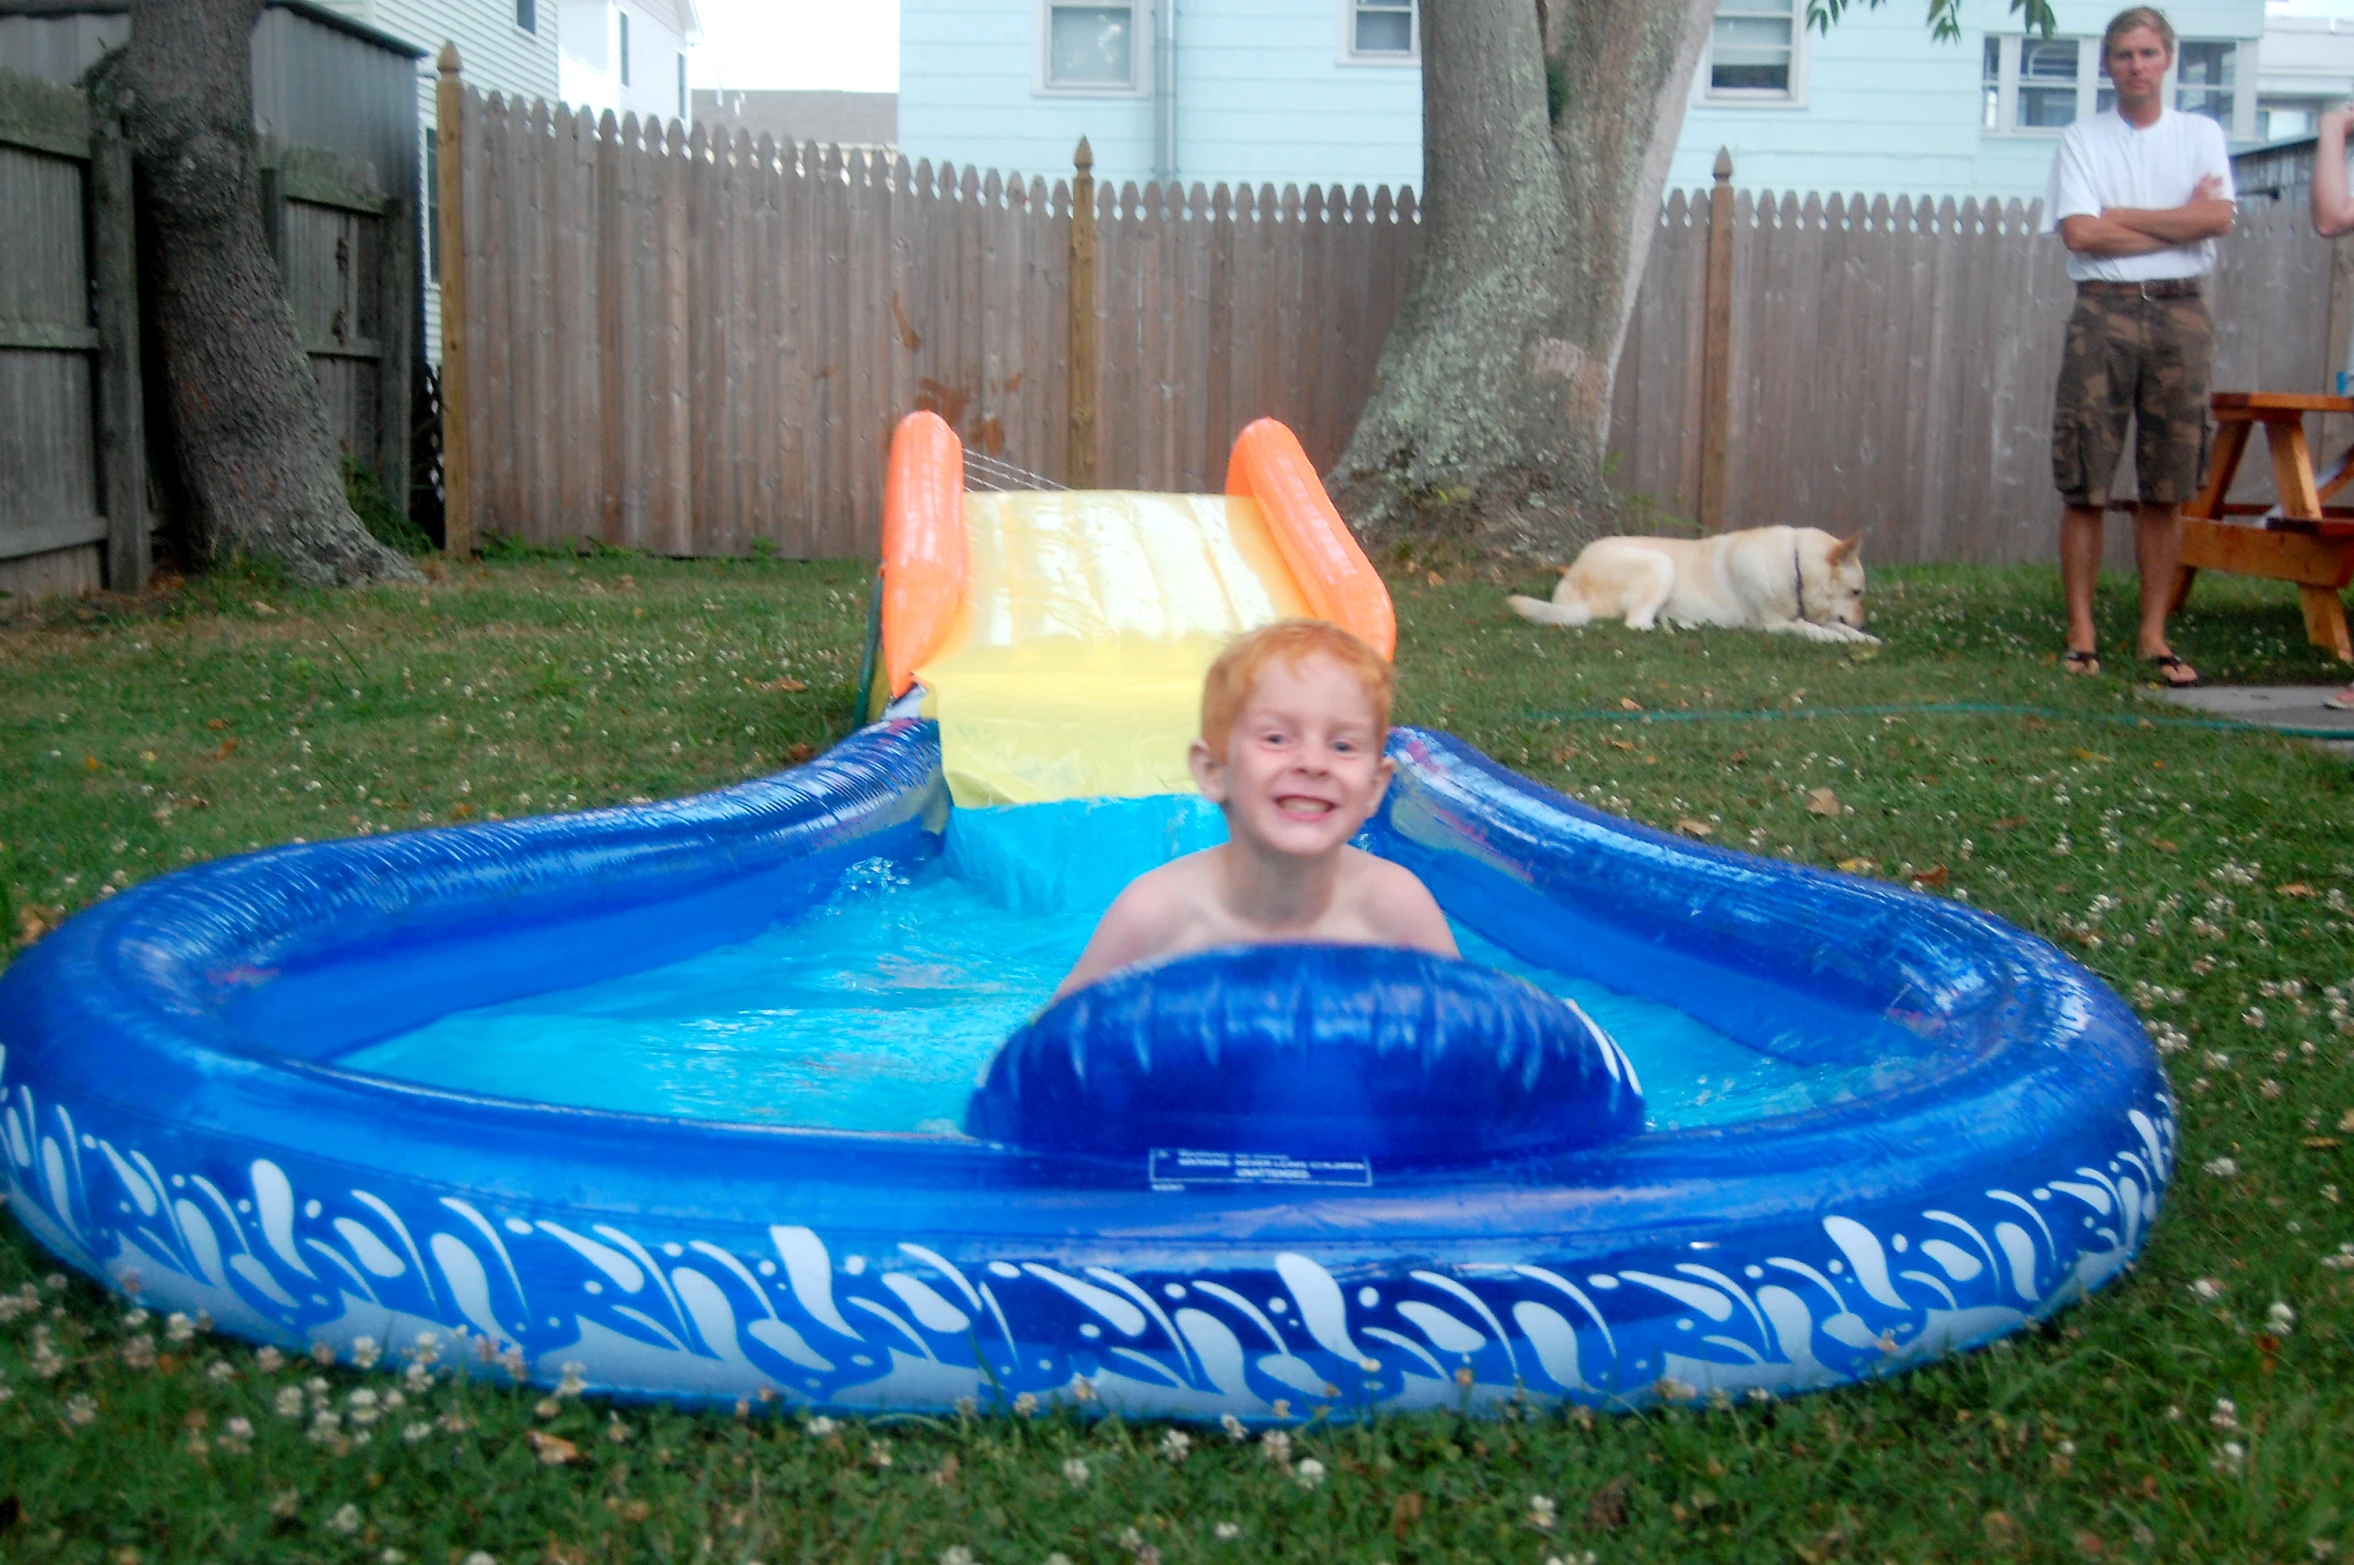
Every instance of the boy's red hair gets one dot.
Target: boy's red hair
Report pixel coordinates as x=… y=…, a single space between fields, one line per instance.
x=1236 y=673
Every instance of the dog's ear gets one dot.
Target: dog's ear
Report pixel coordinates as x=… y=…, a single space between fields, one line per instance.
x=1845 y=547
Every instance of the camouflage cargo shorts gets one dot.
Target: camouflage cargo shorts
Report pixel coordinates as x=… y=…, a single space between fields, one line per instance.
x=2143 y=358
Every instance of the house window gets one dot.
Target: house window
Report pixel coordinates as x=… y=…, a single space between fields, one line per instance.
x=2049 y=72
x=624 y=48
x=1381 y=30
x=1990 y=91
x=682 y=86
x=2202 y=79
x=527 y=15
x=1092 y=46
x=1753 y=49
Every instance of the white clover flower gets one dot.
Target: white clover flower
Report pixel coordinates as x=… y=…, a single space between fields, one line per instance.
x=1082 y=1390
x=822 y=1427
x=268 y=1360
x=418 y=1430
x=322 y=1352
x=2280 y=1318
x=2230 y=1458
x=364 y=1352
x=1075 y=1472
x=1275 y=1445
x=1309 y=1474
x=572 y=1384
x=134 y=1318
x=956 y=1554
x=1233 y=1427
x=1025 y=1405
x=346 y=1519
x=480 y=1557
x=1176 y=1445
x=139 y=1352
x=178 y=1327
x=2206 y=1289
x=238 y=1427
x=879 y=1452
x=2223 y=1167
x=418 y=1377
x=289 y=1402
x=1543 y=1514
x=2226 y=1415
x=1227 y=1532
x=81 y=1411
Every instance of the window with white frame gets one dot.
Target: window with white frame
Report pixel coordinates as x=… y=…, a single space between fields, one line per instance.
x=624 y=51
x=2030 y=84
x=1753 y=49
x=1095 y=46
x=527 y=15
x=1380 y=30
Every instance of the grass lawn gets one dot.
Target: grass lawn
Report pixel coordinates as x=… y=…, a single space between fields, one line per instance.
x=2200 y=1409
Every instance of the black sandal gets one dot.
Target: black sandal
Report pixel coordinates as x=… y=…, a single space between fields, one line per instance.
x=2168 y=665
x=2081 y=662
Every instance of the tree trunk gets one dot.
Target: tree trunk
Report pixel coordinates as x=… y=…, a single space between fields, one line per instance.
x=247 y=427
x=1491 y=409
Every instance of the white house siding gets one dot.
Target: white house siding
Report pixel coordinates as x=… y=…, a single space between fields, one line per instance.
x=1262 y=95
x=660 y=33
x=496 y=55
x=1885 y=108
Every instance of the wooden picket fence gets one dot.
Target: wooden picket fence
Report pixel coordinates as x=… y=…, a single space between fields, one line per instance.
x=699 y=345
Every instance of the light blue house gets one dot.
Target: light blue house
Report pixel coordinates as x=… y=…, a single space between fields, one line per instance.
x=1329 y=91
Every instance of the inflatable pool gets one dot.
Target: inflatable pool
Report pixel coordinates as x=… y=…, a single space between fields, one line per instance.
x=679 y=1095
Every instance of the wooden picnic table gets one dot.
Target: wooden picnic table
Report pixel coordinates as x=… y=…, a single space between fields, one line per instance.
x=2300 y=537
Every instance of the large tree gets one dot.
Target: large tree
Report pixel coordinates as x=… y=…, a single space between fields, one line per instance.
x=1547 y=126
x=248 y=431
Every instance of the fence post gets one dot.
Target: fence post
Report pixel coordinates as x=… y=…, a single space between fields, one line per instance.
x=457 y=459
x=1716 y=348
x=122 y=439
x=1082 y=474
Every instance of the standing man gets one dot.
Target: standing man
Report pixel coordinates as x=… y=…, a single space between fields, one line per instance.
x=2139 y=195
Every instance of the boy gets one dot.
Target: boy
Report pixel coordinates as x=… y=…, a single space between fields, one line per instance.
x=1294 y=717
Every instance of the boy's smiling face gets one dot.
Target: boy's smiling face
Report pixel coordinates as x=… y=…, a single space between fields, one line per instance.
x=1303 y=768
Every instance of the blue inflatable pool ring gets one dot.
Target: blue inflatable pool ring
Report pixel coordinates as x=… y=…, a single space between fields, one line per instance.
x=1312 y=1051
x=1484 y=1219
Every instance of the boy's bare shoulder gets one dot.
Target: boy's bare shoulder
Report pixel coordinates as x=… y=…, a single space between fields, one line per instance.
x=1398 y=906
x=1150 y=917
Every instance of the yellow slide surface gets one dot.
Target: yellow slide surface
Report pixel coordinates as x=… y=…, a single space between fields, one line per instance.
x=1073 y=668
x=1061 y=636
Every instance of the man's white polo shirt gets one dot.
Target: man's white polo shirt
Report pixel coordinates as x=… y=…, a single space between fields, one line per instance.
x=2104 y=162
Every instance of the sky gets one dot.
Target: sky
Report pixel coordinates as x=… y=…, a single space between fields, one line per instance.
x=843 y=45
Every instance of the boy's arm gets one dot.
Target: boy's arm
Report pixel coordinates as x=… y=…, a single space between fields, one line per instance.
x=1133 y=927
x=1408 y=915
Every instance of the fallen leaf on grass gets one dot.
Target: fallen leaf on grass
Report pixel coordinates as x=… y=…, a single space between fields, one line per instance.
x=780 y=683
x=1934 y=875
x=461 y=811
x=2009 y=823
x=1694 y=828
x=2165 y=844
x=260 y=607
x=35 y=920
x=1822 y=801
x=228 y=748
x=553 y=1450
x=797 y=753
x=1434 y=579
x=1858 y=866
x=2296 y=888
x=1629 y=703
x=2321 y=1143
x=1622 y=744
x=216 y=722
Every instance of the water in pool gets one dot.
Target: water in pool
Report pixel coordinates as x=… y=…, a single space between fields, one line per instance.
x=879 y=1008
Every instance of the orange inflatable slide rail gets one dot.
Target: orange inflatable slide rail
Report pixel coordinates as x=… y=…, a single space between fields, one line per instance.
x=1333 y=574
x=923 y=544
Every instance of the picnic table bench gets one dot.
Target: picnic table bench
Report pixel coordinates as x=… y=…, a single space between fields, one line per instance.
x=2300 y=537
